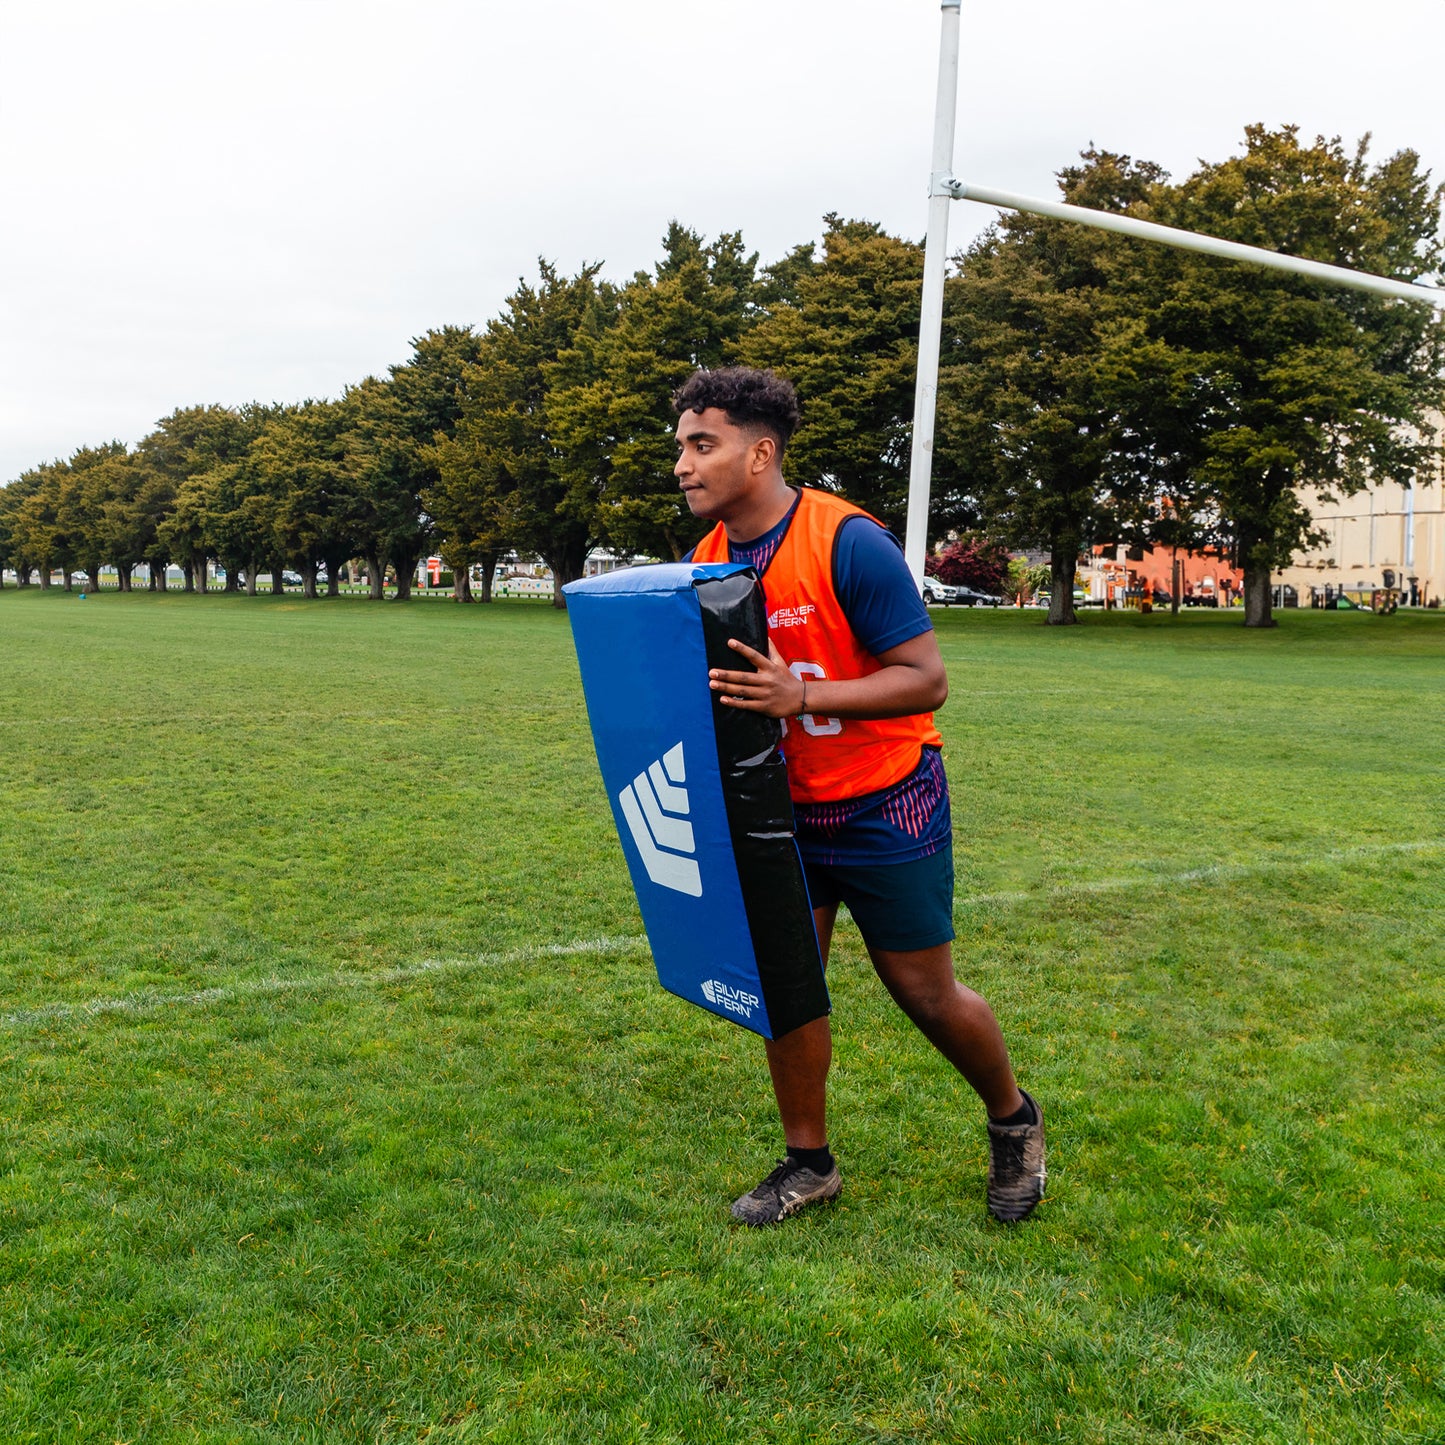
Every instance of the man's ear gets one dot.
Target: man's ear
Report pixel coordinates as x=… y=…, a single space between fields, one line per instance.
x=764 y=453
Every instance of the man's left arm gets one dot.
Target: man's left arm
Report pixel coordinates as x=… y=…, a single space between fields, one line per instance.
x=910 y=679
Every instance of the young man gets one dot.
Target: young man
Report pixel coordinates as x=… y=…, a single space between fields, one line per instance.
x=855 y=671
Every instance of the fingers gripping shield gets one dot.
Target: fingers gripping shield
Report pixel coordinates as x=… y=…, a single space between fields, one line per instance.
x=699 y=792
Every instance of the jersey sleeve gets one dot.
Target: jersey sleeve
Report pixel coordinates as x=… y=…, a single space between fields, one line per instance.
x=875 y=587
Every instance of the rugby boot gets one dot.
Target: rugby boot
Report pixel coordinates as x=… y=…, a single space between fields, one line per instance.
x=1016 y=1172
x=789 y=1188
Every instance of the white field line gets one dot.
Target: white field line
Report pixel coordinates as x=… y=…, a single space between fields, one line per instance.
x=228 y=719
x=1215 y=871
x=148 y=1001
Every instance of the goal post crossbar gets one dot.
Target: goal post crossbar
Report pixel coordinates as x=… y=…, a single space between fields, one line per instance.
x=1196 y=241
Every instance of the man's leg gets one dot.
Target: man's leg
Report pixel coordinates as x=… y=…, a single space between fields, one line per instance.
x=954 y=1019
x=962 y=1027
x=798 y=1063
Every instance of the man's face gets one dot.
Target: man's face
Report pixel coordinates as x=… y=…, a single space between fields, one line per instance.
x=718 y=464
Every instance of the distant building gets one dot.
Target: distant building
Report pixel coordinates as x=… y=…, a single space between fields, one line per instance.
x=599 y=560
x=1121 y=576
x=1387 y=527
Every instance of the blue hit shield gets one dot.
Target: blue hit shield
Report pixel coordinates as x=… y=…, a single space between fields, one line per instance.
x=699 y=791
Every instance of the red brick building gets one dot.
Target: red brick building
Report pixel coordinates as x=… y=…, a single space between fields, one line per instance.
x=1207 y=578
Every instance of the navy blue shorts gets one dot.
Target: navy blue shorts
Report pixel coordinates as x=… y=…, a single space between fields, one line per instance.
x=900 y=907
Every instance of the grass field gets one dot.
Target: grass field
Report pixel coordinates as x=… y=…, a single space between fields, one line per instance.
x=340 y=1102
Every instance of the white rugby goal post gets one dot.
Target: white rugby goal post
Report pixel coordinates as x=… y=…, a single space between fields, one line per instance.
x=944 y=187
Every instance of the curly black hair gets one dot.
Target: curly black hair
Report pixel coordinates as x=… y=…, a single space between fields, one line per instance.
x=761 y=401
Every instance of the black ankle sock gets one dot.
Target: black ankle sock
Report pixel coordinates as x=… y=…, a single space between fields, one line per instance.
x=1024 y=1114
x=820 y=1161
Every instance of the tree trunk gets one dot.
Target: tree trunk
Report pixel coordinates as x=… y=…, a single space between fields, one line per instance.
x=251 y=570
x=308 y=580
x=189 y=573
x=462 y=583
x=1258 y=603
x=489 y=571
x=123 y=572
x=22 y=574
x=405 y=563
x=68 y=587
x=233 y=582
x=1063 y=565
x=1256 y=556
x=203 y=574
x=375 y=576
x=45 y=577
x=566 y=563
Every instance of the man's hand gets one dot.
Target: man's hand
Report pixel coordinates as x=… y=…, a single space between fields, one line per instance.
x=910 y=679
x=771 y=690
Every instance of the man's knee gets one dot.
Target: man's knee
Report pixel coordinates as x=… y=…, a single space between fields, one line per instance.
x=922 y=982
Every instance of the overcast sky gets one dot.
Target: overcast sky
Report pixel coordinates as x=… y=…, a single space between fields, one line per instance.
x=214 y=201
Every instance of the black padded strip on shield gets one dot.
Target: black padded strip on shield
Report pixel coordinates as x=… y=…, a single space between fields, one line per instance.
x=760 y=814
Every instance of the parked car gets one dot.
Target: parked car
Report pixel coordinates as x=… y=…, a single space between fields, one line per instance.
x=970 y=597
x=939 y=592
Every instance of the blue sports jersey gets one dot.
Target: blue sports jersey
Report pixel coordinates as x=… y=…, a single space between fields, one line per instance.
x=911 y=819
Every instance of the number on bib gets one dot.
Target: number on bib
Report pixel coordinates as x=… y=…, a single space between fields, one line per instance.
x=815 y=727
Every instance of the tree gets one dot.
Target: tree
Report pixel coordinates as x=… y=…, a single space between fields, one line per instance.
x=185 y=445
x=225 y=506
x=610 y=402
x=39 y=529
x=383 y=456
x=1269 y=381
x=183 y=531
x=8 y=556
x=971 y=561
x=501 y=477
x=304 y=465
x=1039 y=331
x=97 y=494
x=396 y=424
x=469 y=501
x=1025 y=580
x=844 y=330
x=14 y=538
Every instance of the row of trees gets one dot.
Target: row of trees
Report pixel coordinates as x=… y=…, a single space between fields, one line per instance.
x=1094 y=391
x=255 y=488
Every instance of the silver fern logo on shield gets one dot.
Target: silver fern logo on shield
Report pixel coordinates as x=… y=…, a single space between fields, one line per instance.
x=734 y=1000
x=655 y=806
